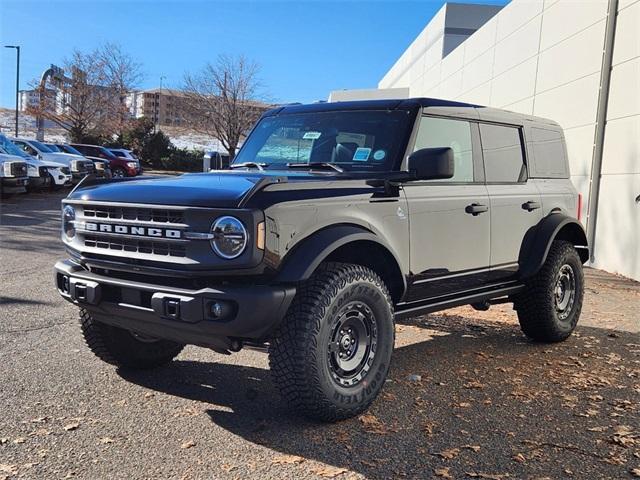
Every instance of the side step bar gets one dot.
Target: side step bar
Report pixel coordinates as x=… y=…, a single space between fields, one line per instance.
x=430 y=307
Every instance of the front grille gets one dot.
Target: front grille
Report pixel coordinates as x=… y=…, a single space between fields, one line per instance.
x=91 y=168
x=65 y=170
x=158 y=215
x=18 y=169
x=136 y=246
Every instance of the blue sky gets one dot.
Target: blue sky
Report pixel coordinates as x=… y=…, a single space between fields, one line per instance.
x=305 y=48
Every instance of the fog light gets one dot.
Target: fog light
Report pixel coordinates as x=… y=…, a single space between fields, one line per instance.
x=65 y=284
x=216 y=309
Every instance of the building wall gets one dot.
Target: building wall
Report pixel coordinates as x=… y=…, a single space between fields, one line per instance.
x=618 y=212
x=544 y=57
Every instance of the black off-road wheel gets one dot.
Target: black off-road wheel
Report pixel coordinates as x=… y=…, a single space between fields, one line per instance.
x=331 y=355
x=549 y=308
x=126 y=349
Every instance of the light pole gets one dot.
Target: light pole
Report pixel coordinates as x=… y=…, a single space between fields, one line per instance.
x=155 y=127
x=17 y=47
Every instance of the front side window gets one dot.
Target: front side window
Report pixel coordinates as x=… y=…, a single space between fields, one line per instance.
x=456 y=134
x=352 y=140
x=503 y=154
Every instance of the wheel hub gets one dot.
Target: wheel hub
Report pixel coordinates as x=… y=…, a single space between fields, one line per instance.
x=564 y=291
x=352 y=344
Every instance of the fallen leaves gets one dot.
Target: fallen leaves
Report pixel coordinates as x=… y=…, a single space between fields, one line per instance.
x=519 y=457
x=71 y=426
x=635 y=472
x=188 y=444
x=442 y=472
x=487 y=476
x=320 y=469
x=449 y=453
x=624 y=436
x=327 y=471
x=106 y=440
x=371 y=424
x=286 y=460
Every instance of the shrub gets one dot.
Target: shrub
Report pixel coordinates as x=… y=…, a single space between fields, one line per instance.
x=183 y=160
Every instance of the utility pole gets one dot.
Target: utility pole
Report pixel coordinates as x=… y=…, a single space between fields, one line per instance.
x=157 y=109
x=17 y=47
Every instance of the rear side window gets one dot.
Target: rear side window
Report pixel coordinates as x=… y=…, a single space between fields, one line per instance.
x=442 y=132
x=549 y=153
x=503 y=154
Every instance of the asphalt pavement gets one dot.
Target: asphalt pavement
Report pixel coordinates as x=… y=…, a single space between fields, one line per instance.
x=468 y=395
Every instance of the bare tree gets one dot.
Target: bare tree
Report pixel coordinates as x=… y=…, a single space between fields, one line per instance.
x=222 y=100
x=91 y=100
x=121 y=74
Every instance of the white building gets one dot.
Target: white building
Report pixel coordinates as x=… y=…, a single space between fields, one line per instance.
x=574 y=61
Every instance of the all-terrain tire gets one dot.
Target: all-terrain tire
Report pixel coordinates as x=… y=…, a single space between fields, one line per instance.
x=121 y=348
x=539 y=307
x=304 y=352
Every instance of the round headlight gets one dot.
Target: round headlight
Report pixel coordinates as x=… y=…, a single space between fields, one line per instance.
x=68 y=221
x=229 y=237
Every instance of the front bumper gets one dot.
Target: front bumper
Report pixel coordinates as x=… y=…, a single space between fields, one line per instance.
x=14 y=184
x=36 y=183
x=182 y=315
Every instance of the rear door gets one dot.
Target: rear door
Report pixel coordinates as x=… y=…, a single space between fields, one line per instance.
x=515 y=201
x=448 y=219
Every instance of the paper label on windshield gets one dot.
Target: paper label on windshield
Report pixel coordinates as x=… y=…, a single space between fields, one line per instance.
x=311 y=135
x=361 y=154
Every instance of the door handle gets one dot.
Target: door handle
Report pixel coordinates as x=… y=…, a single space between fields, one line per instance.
x=476 y=209
x=530 y=206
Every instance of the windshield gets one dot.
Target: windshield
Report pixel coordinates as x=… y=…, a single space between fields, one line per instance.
x=354 y=140
x=53 y=148
x=70 y=149
x=11 y=149
x=40 y=146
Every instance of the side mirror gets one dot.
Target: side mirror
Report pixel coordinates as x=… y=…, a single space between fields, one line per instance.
x=431 y=163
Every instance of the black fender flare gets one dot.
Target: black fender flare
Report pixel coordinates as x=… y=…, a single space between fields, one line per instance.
x=304 y=259
x=538 y=240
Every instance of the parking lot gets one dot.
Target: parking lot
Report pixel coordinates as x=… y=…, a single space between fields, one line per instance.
x=468 y=395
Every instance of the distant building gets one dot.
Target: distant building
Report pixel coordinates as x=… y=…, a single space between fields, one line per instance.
x=164 y=106
x=31 y=99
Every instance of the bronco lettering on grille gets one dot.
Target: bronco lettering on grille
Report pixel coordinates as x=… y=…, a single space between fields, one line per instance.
x=130 y=230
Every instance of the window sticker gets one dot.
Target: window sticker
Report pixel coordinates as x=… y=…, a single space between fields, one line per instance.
x=379 y=155
x=311 y=135
x=362 y=154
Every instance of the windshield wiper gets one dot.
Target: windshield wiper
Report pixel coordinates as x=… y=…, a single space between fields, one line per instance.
x=316 y=165
x=259 y=166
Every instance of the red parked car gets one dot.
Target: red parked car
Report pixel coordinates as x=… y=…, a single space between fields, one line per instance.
x=120 y=166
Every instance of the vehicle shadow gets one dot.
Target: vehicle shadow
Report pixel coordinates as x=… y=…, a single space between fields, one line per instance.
x=485 y=395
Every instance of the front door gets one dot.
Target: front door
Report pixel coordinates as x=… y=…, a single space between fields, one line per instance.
x=449 y=220
x=515 y=202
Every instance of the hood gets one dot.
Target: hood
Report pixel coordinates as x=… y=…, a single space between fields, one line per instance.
x=60 y=157
x=216 y=189
x=11 y=158
x=39 y=163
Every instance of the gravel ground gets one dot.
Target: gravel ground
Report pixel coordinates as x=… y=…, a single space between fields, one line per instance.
x=468 y=395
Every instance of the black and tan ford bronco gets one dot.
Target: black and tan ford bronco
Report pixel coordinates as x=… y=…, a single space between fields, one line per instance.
x=333 y=221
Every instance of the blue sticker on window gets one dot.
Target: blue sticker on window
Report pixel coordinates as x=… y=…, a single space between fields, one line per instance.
x=379 y=155
x=362 y=154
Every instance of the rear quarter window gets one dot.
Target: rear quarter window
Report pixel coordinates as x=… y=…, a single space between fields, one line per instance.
x=549 y=153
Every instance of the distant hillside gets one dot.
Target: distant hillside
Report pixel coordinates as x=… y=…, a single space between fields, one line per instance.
x=181 y=138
